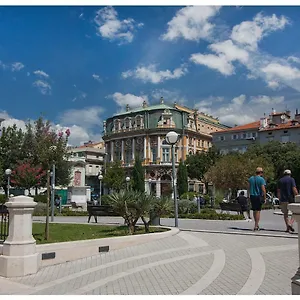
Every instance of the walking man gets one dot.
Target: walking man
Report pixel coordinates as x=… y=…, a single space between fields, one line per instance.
x=286 y=193
x=243 y=202
x=257 y=192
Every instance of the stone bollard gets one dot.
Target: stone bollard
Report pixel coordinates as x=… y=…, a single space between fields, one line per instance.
x=295 y=208
x=19 y=249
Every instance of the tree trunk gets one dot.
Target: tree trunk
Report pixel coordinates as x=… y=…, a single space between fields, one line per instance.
x=47 y=208
x=146 y=224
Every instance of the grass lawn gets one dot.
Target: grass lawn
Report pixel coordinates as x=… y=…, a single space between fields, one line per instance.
x=76 y=232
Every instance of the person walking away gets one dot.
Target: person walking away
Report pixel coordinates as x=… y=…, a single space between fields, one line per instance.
x=243 y=202
x=257 y=192
x=286 y=193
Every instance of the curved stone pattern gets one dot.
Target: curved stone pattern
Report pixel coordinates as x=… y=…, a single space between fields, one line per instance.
x=187 y=263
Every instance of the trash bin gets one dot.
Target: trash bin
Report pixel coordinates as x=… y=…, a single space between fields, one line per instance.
x=155 y=220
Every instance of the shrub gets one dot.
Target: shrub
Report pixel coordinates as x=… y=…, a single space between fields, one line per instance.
x=188 y=195
x=2 y=198
x=186 y=206
x=40 y=198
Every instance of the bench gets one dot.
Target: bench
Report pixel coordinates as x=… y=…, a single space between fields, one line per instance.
x=230 y=206
x=99 y=210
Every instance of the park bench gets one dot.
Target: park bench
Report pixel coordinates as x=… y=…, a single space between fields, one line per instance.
x=230 y=206
x=99 y=210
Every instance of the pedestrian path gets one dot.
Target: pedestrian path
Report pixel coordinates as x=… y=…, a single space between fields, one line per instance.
x=188 y=263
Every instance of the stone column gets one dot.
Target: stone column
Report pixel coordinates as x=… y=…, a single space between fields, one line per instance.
x=145 y=148
x=122 y=151
x=19 y=250
x=295 y=208
x=133 y=149
x=111 y=151
x=158 y=188
x=158 y=157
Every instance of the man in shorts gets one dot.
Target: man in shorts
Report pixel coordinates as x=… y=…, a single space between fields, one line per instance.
x=286 y=193
x=243 y=202
x=257 y=192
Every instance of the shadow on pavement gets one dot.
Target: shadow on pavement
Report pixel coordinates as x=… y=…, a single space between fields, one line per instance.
x=261 y=229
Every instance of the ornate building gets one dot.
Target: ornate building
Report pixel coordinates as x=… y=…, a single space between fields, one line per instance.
x=141 y=132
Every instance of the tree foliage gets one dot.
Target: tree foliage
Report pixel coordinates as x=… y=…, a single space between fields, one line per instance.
x=138 y=175
x=114 y=177
x=199 y=163
x=182 y=178
x=26 y=176
x=233 y=170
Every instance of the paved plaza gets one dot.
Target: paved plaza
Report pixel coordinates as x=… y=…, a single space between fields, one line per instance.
x=186 y=263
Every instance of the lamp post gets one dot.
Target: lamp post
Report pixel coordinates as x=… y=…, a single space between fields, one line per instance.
x=172 y=139
x=52 y=174
x=8 y=174
x=127 y=182
x=100 y=177
x=150 y=186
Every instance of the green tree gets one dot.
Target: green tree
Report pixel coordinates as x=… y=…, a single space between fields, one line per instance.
x=182 y=178
x=138 y=175
x=114 y=177
x=199 y=163
x=233 y=171
x=27 y=176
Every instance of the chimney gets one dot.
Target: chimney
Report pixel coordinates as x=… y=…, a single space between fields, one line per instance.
x=127 y=107
x=144 y=104
x=161 y=100
x=263 y=122
x=273 y=111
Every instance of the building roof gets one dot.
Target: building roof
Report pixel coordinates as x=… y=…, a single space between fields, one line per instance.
x=147 y=108
x=253 y=125
x=287 y=125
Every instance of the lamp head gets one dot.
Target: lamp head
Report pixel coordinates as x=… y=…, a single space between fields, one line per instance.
x=8 y=172
x=100 y=177
x=172 y=138
x=127 y=178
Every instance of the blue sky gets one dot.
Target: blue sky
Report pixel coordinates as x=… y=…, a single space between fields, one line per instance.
x=79 y=65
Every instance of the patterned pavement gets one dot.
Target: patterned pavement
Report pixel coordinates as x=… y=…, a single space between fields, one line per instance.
x=188 y=263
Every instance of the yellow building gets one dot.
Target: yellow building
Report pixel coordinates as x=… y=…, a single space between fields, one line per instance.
x=142 y=132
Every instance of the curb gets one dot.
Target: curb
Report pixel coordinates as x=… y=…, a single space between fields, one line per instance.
x=291 y=236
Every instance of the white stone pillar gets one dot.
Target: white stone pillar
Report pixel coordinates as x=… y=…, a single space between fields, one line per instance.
x=145 y=148
x=149 y=149
x=195 y=146
x=122 y=151
x=158 y=148
x=19 y=249
x=111 y=151
x=133 y=148
x=295 y=208
x=158 y=188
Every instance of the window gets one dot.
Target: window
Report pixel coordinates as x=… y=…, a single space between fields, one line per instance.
x=154 y=154
x=285 y=139
x=222 y=138
x=234 y=137
x=128 y=155
x=166 y=154
x=202 y=143
x=243 y=135
x=254 y=134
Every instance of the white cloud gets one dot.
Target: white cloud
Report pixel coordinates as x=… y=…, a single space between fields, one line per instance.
x=231 y=51
x=191 y=23
x=294 y=59
x=43 y=86
x=97 y=77
x=110 y=27
x=275 y=70
x=216 y=62
x=249 y=33
x=86 y=117
x=262 y=99
x=41 y=73
x=150 y=74
x=3 y=65
x=133 y=101
x=17 y=66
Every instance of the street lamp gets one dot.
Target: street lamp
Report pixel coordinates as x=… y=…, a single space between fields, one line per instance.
x=52 y=174
x=100 y=177
x=171 y=139
x=127 y=182
x=8 y=173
